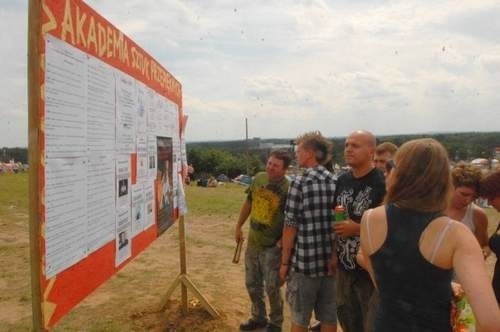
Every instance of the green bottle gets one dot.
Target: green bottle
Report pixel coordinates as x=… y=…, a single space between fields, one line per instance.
x=339 y=213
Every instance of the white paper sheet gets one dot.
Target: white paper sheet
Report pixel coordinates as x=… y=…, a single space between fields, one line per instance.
x=100 y=107
x=150 y=205
x=169 y=118
x=65 y=213
x=184 y=163
x=142 y=158
x=126 y=107
x=143 y=100
x=123 y=232
x=177 y=160
x=154 y=112
x=123 y=181
x=152 y=157
x=182 y=199
x=138 y=209
x=184 y=166
x=65 y=100
x=100 y=201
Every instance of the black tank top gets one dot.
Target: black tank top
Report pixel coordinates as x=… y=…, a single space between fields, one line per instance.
x=415 y=295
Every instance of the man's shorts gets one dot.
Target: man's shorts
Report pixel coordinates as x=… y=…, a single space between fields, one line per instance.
x=305 y=294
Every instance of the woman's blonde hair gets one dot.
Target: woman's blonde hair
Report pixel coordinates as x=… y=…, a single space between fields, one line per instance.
x=421 y=180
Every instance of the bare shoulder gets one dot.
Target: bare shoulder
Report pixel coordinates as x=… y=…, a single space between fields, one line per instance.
x=480 y=214
x=378 y=212
x=442 y=221
x=455 y=236
x=455 y=231
x=373 y=215
x=373 y=229
x=460 y=234
x=457 y=227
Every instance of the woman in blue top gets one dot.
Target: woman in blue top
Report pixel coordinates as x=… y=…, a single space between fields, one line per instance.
x=411 y=248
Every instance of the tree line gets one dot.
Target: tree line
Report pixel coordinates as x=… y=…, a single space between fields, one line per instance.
x=215 y=161
x=16 y=154
x=240 y=157
x=230 y=157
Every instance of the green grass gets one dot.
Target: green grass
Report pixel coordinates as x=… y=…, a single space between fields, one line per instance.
x=223 y=200
x=13 y=193
x=223 y=203
x=493 y=219
x=14 y=243
x=14 y=252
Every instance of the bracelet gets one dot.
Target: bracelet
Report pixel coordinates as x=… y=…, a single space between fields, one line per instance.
x=285 y=264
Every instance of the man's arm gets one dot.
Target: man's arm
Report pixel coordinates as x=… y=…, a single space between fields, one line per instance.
x=293 y=208
x=288 y=242
x=246 y=208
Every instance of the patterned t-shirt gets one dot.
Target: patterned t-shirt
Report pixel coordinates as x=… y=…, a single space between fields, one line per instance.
x=357 y=195
x=266 y=216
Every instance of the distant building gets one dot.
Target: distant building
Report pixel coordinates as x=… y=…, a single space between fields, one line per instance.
x=257 y=144
x=273 y=146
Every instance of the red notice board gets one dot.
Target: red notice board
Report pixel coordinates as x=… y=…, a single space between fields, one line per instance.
x=105 y=152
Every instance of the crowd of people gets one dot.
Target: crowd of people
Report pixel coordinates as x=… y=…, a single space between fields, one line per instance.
x=412 y=241
x=13 y=167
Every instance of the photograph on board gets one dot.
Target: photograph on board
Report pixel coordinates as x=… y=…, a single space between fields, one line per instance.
x=164 y=188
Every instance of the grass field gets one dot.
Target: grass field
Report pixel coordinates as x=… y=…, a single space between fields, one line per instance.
x=15 y=292
x=129 y=301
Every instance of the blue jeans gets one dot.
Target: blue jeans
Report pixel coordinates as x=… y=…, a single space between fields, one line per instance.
x=262 y=271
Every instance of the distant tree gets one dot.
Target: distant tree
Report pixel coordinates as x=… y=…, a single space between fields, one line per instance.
x=460 y=146
x=16 y=154
x=214 y=161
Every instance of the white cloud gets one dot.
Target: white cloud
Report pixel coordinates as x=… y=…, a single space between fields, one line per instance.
x=290 y=67
x=491 y=62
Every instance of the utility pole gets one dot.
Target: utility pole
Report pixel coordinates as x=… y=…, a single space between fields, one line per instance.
x=246 y=145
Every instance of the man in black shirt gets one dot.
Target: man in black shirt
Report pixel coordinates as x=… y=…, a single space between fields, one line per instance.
x=361 y=188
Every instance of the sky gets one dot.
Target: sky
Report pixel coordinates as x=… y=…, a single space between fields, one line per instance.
x=391 y=67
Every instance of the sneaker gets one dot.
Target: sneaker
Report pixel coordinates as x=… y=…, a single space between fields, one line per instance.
x=273 y=328
x=252 y=325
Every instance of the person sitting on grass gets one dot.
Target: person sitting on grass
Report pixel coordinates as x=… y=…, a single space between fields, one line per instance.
x=212 y=182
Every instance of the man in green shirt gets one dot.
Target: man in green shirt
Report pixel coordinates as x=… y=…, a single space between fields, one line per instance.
x=264 y=204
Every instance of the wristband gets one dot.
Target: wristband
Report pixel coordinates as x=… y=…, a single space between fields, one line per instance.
x=285 y=264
